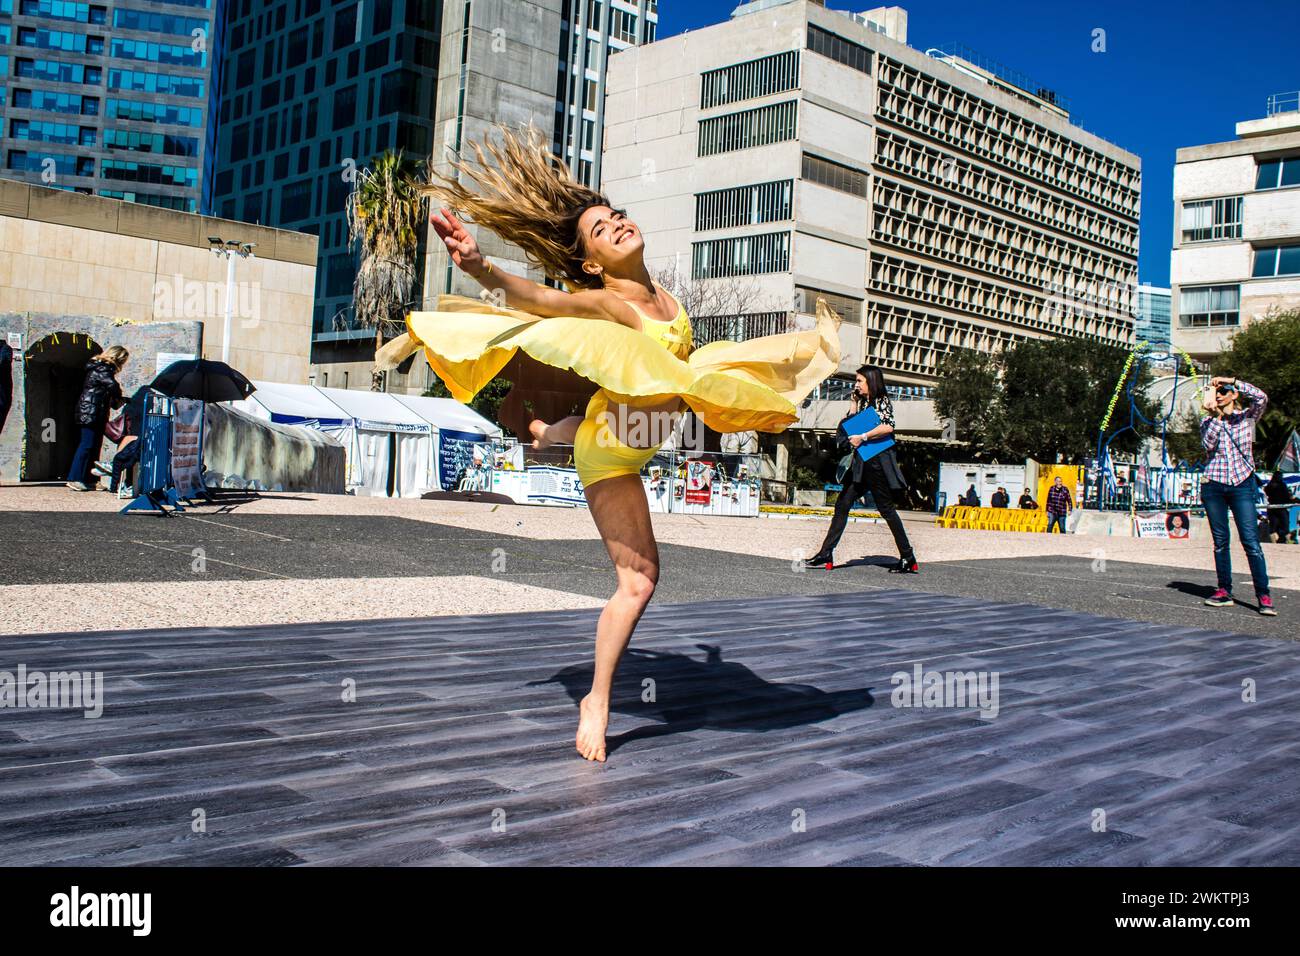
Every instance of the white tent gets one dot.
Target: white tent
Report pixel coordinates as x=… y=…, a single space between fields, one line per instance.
x=457 y=428
x=294 y=405
x=395 y=451
x=449 y=413
x=389 y=448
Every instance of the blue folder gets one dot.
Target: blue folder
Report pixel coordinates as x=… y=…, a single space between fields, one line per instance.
x=861 y=423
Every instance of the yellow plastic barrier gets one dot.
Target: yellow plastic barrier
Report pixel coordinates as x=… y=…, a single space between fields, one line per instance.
x=992 y=519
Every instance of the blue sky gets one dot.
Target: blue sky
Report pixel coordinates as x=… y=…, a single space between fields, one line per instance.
x=1173 y=73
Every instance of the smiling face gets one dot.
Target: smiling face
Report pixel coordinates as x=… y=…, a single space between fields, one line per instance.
x=609 y=238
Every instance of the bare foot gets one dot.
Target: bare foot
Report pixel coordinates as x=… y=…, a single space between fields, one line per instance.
x=538 y=428
x=594 y=718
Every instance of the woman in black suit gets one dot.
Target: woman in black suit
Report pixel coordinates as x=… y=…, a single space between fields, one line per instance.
x=881 y=475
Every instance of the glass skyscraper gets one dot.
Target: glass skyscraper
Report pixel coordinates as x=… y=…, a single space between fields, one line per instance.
x=590 y=32
x=313 y=91
x=1153 y=323
x=114 y=98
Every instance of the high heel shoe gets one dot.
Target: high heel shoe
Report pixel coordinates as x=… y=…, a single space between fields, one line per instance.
x=905 y=566
x=820 y=561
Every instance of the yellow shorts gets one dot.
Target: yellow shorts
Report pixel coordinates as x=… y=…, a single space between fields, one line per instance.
x=598 y=454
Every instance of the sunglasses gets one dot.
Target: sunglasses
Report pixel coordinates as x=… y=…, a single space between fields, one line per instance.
x=1226 y=390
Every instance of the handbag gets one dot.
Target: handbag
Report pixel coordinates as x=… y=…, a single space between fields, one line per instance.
x=115 y=429
x=843 y=468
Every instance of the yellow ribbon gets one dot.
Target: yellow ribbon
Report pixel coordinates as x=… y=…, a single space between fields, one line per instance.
x=1128 y=364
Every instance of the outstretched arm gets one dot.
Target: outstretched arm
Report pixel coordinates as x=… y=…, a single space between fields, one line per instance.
x=521 y=293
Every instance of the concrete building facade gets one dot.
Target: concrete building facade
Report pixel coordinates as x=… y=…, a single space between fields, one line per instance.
x=114 y=98
x=934 y=203
x=1236 y=248
x=80 y=273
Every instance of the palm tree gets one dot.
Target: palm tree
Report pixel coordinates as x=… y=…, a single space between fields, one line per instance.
x=386 y=215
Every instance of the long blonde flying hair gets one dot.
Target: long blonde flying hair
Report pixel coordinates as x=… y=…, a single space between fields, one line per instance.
x=526 y=196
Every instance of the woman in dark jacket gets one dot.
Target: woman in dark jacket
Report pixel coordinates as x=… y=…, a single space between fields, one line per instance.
x=881 y=475
x=99 y=396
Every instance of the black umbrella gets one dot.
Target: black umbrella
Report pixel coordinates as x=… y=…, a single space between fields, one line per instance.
x=203 y=380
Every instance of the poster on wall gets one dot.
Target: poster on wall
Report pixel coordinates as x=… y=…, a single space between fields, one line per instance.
x=169 y=358
x=555 y=485
x=699 y=482
x=1178 y=524
x=1150 y=525
x=456 y=456
x=187 y=446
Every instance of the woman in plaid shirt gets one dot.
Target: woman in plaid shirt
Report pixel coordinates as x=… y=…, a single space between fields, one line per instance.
x=1228 y=483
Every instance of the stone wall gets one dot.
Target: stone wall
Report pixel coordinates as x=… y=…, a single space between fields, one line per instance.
x=50 y=355
x=69 y=254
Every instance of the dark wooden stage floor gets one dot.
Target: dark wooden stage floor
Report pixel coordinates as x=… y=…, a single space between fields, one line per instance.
x=744 y=732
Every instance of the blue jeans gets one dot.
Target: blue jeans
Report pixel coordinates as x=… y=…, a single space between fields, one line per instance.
x=1219 y=499
x=87 y=449
x=1052 y=520
x=127 y=458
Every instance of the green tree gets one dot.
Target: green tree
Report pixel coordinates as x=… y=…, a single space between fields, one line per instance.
x=487 y=402
x=1042 y=399
x=386 y=216
x=1056 y=392
x=969 y=393
x=1266 y=353
x=1183 y=440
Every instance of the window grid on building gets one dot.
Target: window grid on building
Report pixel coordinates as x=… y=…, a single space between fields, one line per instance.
x=913 y=341
x=1210 y=305
x=1276 y=261
x=900 y=154
x=748 y=128
x=918 y=221
x=835 y=175
x=915 y=100
x=846 y=307
x=1105 y=312
x=764 y=76
x=1276 y=173
x=744 y=205
x=839 y=49
x=738 y=328
x=741 y=256
x=1211 y=219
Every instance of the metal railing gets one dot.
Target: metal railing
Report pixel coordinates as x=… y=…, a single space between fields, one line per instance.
x=1283 y=102
x=739 y=328
x=1022 y=81
x=841 y=389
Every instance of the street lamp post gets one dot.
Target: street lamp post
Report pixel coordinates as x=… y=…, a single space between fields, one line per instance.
x=228 y=250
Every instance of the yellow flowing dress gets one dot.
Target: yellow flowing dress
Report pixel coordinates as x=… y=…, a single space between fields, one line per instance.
x=755 y=385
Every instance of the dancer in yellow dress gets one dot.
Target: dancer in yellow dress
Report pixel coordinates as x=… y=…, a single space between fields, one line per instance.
x=615 y=327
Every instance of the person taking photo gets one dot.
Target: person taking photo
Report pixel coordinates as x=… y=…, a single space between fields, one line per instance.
x=1228 y=484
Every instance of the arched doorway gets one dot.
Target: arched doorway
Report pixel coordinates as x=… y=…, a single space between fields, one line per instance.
x=54 y=370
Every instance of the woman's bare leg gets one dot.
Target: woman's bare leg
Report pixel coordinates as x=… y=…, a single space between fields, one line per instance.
x=562 y=432
x=622 y=514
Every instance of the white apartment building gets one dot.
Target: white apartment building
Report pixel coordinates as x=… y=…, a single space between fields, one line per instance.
x=1236 y=253
x=935 y=202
